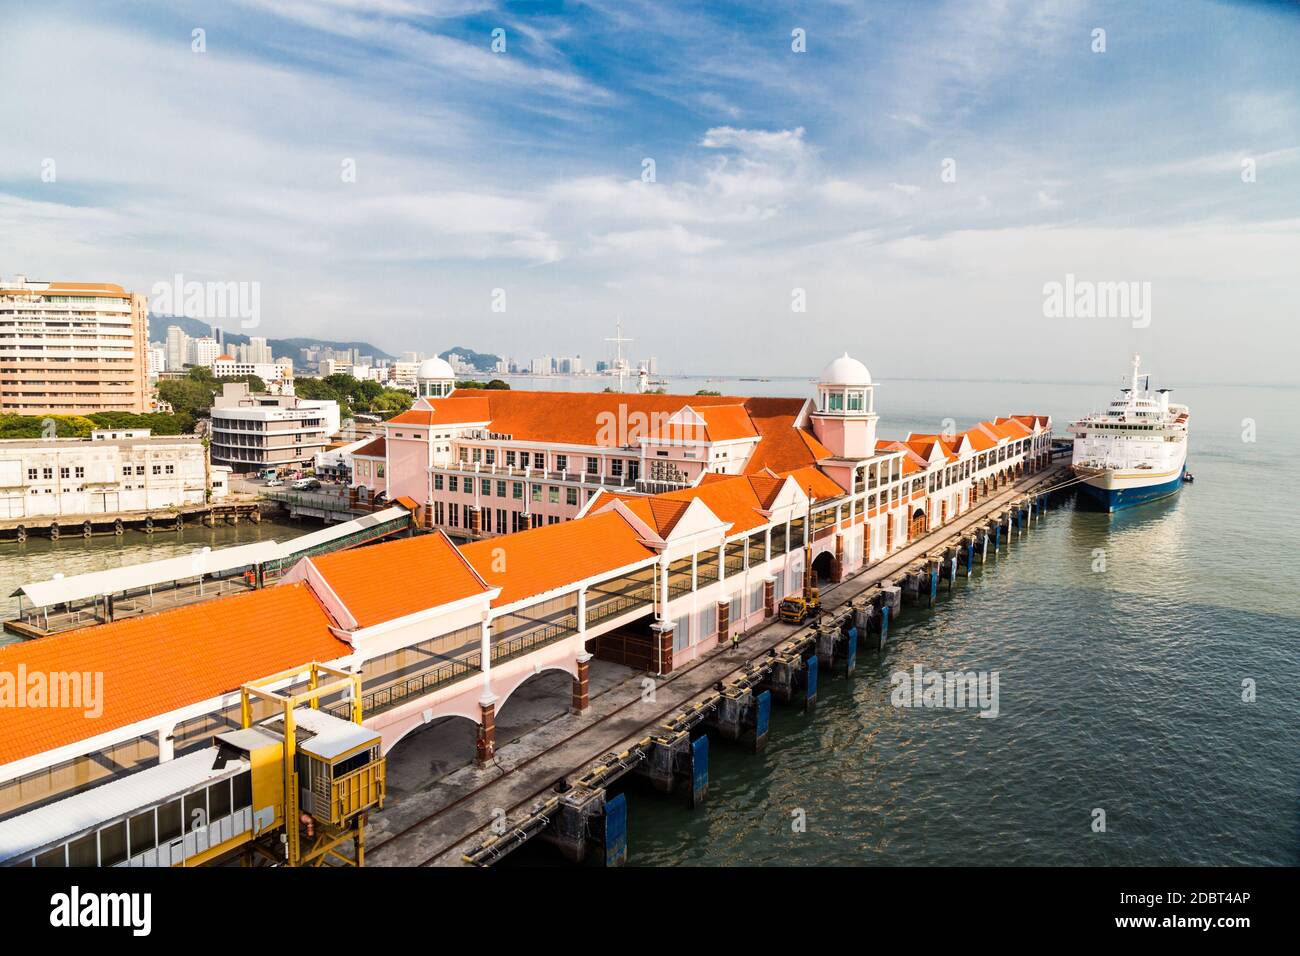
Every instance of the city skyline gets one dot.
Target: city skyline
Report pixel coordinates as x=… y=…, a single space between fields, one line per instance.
x=376 y=168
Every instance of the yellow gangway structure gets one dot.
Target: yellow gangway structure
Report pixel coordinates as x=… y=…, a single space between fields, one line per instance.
x=331 y=773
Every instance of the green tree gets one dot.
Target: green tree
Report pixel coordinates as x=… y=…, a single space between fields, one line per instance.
x=187 y=396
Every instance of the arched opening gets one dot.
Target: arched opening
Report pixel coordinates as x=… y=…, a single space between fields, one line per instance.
x=824 y=567
x=429 y=752
x=532 y=702
x=919 y=524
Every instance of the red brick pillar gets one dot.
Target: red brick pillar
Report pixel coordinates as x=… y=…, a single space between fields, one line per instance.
x=663 y=635
x=486 y=745
x=581 y=686
x=769 y=597
x=475 y=520
x=837 y=566
x=724 y=621
x=352 y=496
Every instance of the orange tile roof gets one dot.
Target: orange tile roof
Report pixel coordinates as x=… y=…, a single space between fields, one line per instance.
x=385 y=581
x=407 y=502
x=372 y=449
x=161 y=662
x=734 y=501
x=1017 y=428
x=979 y=439
x=717 y=423
x=823 y=485
x=445 y=411
x=532 y=562
x=783 y=446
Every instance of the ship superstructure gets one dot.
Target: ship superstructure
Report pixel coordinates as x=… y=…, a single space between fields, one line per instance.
x=1136 y=450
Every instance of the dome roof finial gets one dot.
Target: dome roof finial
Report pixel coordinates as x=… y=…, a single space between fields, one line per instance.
x=846 y=370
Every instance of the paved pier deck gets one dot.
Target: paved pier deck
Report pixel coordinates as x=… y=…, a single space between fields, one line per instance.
x=437 y=826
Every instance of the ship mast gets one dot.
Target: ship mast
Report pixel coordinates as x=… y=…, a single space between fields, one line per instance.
x=619 y=363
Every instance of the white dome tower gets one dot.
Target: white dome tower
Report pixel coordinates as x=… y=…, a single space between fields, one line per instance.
x=434 y=379
x=845 y=419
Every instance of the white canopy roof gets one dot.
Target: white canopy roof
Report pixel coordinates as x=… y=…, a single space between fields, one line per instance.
x=80 y=587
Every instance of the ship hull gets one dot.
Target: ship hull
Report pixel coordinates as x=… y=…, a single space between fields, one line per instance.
x=1116 y=494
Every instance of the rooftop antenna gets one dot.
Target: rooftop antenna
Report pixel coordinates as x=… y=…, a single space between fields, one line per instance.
x=619 y=363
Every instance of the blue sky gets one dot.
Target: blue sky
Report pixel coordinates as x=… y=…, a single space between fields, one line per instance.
x=775 y=171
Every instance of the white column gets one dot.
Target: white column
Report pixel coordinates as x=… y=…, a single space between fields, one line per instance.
x=485 y=660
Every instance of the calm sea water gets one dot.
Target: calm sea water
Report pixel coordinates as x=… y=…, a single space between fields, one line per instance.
x=1119 y=690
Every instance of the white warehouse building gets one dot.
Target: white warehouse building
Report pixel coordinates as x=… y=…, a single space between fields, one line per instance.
x=113 y=471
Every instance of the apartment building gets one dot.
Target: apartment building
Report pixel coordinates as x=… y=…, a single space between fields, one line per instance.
x=252 y=431
x=72 y=348
x=113 y=471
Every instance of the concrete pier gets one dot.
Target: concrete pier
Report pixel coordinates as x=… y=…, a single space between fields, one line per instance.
x=732 y=701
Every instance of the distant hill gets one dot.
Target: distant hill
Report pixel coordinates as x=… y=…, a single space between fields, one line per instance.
x=279 y=347
x=483 y=361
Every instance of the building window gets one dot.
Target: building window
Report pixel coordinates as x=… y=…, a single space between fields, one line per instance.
x=510 y=459
x=452 y=483
x=47 y=473
x=453 y=514
x=553 y=495
x=171 y=469
x=485 y=487
x=490 y=456
x=437 y=482
x=80 y=472
x=157 y=469
x=616 y=467
x=501 y=489
x=561 y=462
x=517 y=490
x=571 y=496
x=593 y=465
x=32 y=473
x=537 y=493
x=539 y=460
x=65 y=472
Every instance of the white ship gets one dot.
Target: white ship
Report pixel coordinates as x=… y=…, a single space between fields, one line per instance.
x=1135 y=451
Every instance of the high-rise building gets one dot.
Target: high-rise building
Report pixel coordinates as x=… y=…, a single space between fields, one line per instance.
x=72 y=348
x=205 y=351
x=178 y=348
x=157 y=360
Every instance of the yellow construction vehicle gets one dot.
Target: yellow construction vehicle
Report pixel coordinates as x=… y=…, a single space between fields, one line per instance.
x=799 y=607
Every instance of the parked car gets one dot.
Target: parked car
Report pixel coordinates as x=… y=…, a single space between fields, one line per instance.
x=274 y=483
x=306 y=484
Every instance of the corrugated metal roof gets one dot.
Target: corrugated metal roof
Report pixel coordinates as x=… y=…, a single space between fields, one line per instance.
x=62 y=819
x=79 y=587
